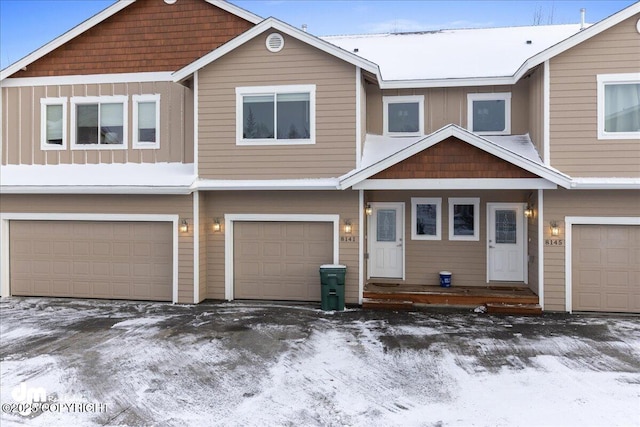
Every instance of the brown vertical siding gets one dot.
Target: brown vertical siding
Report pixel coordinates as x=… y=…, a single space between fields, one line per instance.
x=343 y=203
x=333 y=153
x=148 y=35
x=536 y=108
x=559 y=204
x=22 y=127
x=467 y=260
x=575 y=148
x=118 y=204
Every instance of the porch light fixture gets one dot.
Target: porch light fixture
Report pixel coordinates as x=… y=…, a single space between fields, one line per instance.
x=184 y=226
x=347 y=226
x=216 y=225
x=368 y=210
x=528 y=211
x=555 y=230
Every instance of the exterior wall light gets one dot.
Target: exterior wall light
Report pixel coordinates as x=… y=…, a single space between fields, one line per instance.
x=368 y=210
x=555 y=230
x=184 y=226
x=528 y=211
x=347 y=226
x=216 y=225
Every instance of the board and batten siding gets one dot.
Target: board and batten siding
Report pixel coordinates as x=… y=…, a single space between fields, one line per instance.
x=21 y=124
x=118 y=204
x=251 y=64
x=467 y=260
x=575 y=147
x=444 y=106
x=559 y=204
x=536 y=108
x=342 y=203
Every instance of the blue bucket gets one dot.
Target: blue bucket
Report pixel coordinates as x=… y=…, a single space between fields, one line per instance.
x=445 y=279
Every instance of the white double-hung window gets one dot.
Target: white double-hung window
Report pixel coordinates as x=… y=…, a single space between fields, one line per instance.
x=619 y=106
x=489 y=113
x=53 y=119
x=99 y=122
x=276 y=115
x=403 y=115
x=146 y=121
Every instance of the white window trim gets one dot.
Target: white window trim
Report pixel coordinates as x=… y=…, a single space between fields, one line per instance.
x=146 y=98
x=386 y=100
x=80 y=100
x=267 y=90
x=603 y=80
x=44 y=102
x=475 y=201
x=499 y=96
x=415 y=201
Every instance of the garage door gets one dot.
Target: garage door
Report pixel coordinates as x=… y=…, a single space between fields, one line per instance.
x=85 y=259
x=606 y=268
x=280 y=260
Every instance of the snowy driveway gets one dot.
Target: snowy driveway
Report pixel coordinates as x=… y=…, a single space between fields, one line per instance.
x=140 y=364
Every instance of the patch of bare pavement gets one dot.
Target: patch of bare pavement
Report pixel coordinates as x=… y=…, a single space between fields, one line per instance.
x=71 y=362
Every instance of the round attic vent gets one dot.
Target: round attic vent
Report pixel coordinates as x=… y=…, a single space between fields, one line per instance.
x=275 y=42
x=170 y=1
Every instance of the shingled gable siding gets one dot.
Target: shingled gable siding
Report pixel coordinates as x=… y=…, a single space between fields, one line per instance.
x=251 y=64
x=148 y=35
x=575 y=149
x=453 y=158
x=21 y=126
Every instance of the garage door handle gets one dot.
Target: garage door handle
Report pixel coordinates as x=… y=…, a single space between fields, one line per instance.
x=491 y=247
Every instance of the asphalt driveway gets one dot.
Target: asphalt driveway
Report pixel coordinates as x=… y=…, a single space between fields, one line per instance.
x=240 y=364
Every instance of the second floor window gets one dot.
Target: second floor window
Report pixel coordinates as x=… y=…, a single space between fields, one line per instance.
x=276 y=115
x=99 y=122
x=146 y=121
x=489 y=113
x=618 y=106
x=403 y=115
x=54 y=123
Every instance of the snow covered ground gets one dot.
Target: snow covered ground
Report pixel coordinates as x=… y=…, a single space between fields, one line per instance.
x=140 y=364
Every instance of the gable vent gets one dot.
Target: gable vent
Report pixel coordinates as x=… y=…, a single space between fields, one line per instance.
x=275 y=42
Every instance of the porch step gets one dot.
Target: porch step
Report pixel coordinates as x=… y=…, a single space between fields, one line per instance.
x=386 y=304
x=506 y=308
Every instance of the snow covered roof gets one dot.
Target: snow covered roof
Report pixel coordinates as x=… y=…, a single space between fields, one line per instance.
x=454 y=54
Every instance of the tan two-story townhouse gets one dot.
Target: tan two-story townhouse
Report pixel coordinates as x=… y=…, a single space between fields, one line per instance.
x=234 y=169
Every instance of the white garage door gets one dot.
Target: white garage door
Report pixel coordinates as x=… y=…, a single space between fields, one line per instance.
x=280 y=260
x=606 y=268
x=86 y=259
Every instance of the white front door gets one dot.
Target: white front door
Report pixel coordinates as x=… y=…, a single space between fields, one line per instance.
x=506 y=242
x=386 y=240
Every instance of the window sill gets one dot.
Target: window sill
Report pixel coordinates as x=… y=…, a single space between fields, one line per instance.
x=96 y=147
x=621 y=135
x=267 y=142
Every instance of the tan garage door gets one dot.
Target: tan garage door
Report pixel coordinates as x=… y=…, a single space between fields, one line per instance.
x=606 y=268
x=85 y=259
x=280 y=260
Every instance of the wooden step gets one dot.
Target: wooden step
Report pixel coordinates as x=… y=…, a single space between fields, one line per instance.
x=386 y=304
x=447 y=298
x=506 y=308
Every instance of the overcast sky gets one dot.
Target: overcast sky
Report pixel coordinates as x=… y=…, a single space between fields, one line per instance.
x=26 y=25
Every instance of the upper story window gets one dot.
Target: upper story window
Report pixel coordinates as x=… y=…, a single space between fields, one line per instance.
x=99 y=122
x=403 y=115
x=53 y=130
x=619 y=106
x=146 y=121
x=489 y=113
x=275 y=115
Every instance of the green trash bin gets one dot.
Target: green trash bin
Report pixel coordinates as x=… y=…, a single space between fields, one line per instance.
x=332 y=286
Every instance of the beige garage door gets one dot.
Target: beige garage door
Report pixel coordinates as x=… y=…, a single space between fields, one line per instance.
x=84 y=259
x=606 y=268
x=280 y=260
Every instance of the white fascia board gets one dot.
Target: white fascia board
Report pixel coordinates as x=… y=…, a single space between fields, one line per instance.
x=456 y=184
x=605 y=183
x=161 y=76
x=437 y=83
x=74 y=32
x=284 y=28
x=92 y=189
x=267 y=184
x=236 y=10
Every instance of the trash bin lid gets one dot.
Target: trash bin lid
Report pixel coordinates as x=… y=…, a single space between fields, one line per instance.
x=333 y=266
x=446 y=273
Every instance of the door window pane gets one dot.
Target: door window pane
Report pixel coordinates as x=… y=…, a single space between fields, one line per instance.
x=386 y=225
x=404 y=117
x=489 y=116
x=506 y=226
x=622 y=108
x=54 y=124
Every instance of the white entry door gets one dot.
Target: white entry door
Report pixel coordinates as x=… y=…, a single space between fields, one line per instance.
x=506 y=242
x=386 y=240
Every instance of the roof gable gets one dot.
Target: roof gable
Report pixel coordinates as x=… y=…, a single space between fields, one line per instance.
x=149 y=36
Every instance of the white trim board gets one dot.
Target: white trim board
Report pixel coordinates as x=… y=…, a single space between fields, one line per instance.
x=456 y=184
x=159 y=76
x=4 y=237
x=230 y=219
x=570 y=221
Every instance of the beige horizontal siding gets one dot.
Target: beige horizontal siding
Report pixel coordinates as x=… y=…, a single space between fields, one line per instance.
x=343 y=203
x=333 y=153
x=575 y=148
x=21 y=124
x=119 y=204
x=559 y=204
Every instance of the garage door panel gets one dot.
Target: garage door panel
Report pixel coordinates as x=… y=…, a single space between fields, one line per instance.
x=91 y=259
x=606 y=268
x=286 y=265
